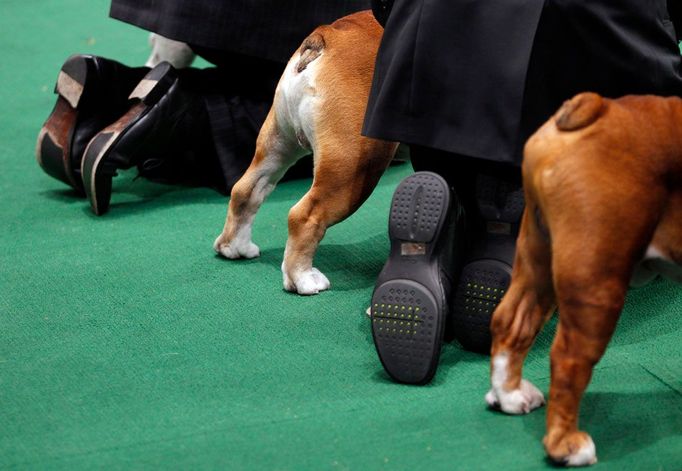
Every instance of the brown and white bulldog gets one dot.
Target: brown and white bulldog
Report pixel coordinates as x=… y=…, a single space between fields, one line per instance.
x=319 y=107
x=603 y=187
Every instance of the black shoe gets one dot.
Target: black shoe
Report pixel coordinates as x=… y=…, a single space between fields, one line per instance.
x=410 y=300
x=92 y=93
x=486 y=274
x=158 y=124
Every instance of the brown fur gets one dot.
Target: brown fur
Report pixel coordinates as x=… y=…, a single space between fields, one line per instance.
x=579 y=112
x=606 y=177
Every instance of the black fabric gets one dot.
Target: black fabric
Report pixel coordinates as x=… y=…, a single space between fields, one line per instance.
x=268 y=29
x=381 y=9
x=225 y=124
x=471 y=77
x=675 y=11
x=237 y=104
x=227 y=114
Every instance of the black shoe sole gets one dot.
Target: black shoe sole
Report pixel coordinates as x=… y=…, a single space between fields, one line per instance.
x=53 y=146
x=408 y=307
x=96 y=181
x=486 y=277
x=482 y=284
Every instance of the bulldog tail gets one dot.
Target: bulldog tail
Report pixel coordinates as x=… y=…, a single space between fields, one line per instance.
x=579 y=112
x=310 y=50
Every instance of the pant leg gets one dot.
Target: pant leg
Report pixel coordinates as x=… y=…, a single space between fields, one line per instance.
x=233 y=100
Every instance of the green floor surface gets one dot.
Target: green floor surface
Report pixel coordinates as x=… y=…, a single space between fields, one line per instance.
x=125 y=343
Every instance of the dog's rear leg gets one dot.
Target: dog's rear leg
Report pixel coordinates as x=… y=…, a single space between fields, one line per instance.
x=591 y=276
x=518 y=319
x=345 y=175
x=275 y=152
x=590 y=300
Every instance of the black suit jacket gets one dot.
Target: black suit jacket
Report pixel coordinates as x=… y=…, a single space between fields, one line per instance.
x=267 y=29
x=476 y=77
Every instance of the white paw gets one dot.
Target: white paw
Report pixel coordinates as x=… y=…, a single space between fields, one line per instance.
x=236 y=248
x=585 y=456
x=306 y=282
x=518 y=401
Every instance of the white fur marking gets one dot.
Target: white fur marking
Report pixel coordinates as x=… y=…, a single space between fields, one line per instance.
x=587 y=455
x=305 y=282
x=518 y=401
x=499 y=376
x=298 y=103
x=239 y=247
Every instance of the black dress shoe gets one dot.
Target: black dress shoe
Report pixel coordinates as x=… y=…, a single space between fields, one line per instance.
x=92 y=92
x=159 y=124
x=486 y=272
x=409 y=307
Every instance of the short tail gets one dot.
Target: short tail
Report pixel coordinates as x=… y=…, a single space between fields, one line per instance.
x=310 y=50
x=579 y=112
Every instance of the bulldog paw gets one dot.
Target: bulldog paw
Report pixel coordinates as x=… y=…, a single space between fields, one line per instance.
x=306 y=282
x=235 y=248
x=518 y=401
x=571 y=449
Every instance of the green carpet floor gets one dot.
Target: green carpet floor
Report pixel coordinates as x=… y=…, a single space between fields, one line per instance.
x=126 y=343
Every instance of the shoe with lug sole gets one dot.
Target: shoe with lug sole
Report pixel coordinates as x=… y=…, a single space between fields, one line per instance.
x=409 y=305
x=486 y=275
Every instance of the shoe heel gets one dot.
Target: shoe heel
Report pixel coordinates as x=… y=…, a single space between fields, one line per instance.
x=72 y=78
x=97 y=184
x=51 y=155
x=417 y=207
x=155 y=84
x=53 y=146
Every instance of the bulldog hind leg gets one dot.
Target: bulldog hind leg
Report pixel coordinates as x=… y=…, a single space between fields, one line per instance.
x=338 y=190
x=518 y=319
x=584 y=302
x=591 y=277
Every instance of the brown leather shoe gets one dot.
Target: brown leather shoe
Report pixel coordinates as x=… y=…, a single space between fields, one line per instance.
x=92 y=92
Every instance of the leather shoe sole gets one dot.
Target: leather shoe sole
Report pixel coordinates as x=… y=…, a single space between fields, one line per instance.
x=96 y=168
x=409 y=304
x=53 y=147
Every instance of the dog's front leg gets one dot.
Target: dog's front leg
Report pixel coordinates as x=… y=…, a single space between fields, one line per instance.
x=518 y=319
